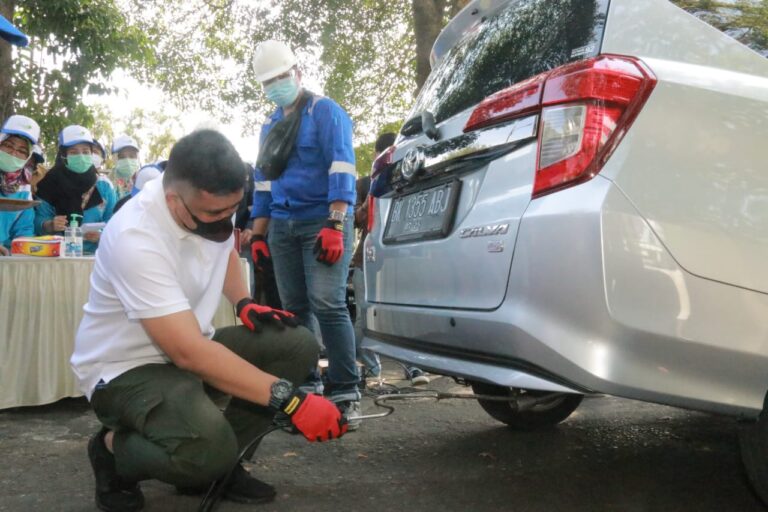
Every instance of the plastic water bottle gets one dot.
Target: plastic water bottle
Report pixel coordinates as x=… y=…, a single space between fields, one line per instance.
x=73 y=238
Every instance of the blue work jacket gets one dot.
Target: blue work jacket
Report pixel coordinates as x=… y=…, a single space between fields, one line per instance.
x=320 y=170
x=16 y=224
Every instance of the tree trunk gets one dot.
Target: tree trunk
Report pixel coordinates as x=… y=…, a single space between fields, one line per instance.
x=427 y=22
x=6 y=65
x=429 y=17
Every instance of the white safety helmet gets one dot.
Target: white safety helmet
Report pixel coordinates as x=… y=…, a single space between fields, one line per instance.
x=75 y=134
x=22 y=126
x=272 y=58
x=124 y=141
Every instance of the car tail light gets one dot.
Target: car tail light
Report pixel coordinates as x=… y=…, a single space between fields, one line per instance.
x=585 y=109
x=371 y=212
x=518 y=100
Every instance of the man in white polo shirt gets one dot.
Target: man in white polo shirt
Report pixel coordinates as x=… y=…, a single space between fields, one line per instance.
x=146 y=345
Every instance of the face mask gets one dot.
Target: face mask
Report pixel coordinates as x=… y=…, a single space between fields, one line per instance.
x=79 y=163
x=97 y=160
x=126 y=167
x=283 y=92
x=217 y=231
x=9 y=163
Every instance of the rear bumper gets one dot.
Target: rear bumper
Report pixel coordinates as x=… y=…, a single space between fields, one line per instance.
x=595 y=303
x=467 y=365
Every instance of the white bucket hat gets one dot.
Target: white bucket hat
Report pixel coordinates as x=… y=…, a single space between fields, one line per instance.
x=143 y=175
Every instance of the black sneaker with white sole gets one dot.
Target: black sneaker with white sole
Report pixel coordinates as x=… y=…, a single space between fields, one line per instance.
x=113 y=493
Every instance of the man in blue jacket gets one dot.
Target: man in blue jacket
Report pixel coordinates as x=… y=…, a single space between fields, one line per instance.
x=308 y=210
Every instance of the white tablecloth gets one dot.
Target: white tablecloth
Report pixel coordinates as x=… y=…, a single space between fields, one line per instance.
x=41 y=304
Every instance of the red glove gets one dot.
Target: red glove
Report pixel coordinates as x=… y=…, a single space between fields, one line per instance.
x=315 y=417
x=260 y=252
x=329 y=245
x=253 y=315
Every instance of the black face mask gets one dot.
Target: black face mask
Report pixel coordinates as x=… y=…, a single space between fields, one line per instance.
x=217 y=231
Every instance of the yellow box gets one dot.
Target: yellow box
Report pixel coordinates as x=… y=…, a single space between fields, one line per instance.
x=45 y=246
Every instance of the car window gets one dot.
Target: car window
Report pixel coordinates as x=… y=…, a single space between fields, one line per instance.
x=523 y=39
x=744 y=20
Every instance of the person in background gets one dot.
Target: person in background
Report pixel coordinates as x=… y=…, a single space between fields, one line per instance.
x=17 y=137
x=146 y=343
x=142 y=176
x=35 y=167
x=72 y=187
x=264 y=283
x=307 y=209
x=126 y=152
x=99 y=156
x=370 y=359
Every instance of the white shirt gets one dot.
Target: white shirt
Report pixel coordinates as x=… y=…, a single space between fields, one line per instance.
x=147 y=266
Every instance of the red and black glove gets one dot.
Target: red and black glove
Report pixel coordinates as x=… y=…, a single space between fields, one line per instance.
x=317 y=418
x=253 y=315
x=329 y=245
x=262 y=259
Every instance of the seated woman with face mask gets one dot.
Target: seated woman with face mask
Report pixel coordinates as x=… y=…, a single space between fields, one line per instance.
x=17 y=136
x=72 y=187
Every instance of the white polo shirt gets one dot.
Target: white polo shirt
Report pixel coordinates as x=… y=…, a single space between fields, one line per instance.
x=147 y=266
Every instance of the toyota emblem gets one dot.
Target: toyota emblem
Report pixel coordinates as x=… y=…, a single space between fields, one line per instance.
x=412 y=162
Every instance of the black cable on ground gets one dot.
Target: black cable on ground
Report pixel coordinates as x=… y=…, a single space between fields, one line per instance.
x=214 y=491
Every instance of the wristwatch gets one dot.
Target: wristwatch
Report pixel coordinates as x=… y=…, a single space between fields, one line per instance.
x=337 y=215
x=280 y=391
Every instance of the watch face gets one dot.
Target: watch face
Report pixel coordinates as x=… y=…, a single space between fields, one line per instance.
x=282 y=389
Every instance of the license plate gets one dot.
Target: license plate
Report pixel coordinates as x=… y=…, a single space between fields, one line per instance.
x=427 y=214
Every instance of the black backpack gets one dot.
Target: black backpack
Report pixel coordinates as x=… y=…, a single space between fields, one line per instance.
x=278 y=144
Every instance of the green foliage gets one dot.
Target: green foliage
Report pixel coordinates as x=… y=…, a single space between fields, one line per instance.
x=745 y=20
x=154 y=132
x=75 y=45
x=362 y=51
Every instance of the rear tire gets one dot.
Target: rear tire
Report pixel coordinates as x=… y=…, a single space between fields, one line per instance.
x=753 y=441
x=546 y=414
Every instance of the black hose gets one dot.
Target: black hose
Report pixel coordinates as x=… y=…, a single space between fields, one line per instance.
x=214 y=491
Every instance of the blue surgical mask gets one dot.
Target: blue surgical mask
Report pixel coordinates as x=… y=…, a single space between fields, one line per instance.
x=283 y=92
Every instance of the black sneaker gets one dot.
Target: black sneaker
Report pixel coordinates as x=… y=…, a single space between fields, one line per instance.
x=243 y=488
x=113 y=493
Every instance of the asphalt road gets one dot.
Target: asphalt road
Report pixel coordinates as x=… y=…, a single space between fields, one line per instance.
x=611 y=455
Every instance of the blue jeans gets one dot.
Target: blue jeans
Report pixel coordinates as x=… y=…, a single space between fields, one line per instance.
x=308 y=287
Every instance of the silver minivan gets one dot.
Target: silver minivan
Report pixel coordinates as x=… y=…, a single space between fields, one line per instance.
x=578 y=203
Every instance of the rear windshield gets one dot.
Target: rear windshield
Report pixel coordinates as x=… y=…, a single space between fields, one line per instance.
x=525 y=38
x=744 y=20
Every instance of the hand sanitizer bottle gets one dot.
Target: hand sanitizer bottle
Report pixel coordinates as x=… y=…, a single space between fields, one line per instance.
x=73 y=238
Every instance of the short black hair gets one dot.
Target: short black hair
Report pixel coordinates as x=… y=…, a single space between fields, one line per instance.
x=208 y=161
x=384 y=141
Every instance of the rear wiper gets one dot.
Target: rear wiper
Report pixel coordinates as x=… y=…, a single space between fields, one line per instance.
x=423 y=122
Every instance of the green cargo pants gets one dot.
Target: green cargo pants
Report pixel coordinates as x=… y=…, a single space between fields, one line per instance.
x=168 y=428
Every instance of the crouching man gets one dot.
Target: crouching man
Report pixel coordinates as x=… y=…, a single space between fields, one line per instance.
x=146 y=346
